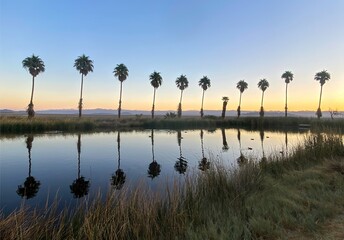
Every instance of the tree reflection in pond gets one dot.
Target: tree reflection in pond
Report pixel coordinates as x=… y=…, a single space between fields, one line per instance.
x=118 y=179
x=181 y=164
x=80 y=186
x=31 y=186
x=204 y=164
x=241 y=159
x=154 y=168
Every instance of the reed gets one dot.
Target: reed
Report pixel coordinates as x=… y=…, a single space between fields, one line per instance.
x=275 y=198
x=42 y=123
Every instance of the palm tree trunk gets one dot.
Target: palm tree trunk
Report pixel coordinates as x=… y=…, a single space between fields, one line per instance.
x=33 y=87
x=286 y=100
x=224 y=106
x=240 y=99
x=180 y=104
x=80 y=102
x=153 y=107
x=261 y=104
x=202 y=104
x=120 y=102
x=320 y=95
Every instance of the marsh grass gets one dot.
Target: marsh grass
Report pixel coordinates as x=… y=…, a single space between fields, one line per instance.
x=42 y=123
x=275 y=199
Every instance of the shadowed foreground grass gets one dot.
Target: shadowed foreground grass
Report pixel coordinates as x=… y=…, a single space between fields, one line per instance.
x=276 y=198
x=70 y=123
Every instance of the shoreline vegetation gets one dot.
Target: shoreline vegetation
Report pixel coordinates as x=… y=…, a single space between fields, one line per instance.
x=297 y=196
x=69 y=123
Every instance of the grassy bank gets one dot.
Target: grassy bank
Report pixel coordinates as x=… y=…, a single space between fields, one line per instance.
x=68 y=123
x=276 y=198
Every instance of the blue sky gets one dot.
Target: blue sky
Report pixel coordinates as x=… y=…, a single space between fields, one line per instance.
x=225 y=40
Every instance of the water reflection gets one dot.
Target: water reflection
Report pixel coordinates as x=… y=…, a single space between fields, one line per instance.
x=154 y=168
x=241 y=159
x=181 y=164
x=262 y=135
x=224 y=140
x=31 y=186
x=204 y=164
x=80 y=186
x=118 y=179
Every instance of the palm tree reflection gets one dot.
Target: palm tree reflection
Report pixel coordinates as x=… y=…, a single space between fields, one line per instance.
x=224 y=140
x=181 y=164
x=118 y=179
x=154 y=168
x=204 y=164
x=80 y=186
x=31 y=186
x=242 y=159
x=261 y=133
x=286 y=143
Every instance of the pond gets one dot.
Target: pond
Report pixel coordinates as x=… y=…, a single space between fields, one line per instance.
x=38 y=167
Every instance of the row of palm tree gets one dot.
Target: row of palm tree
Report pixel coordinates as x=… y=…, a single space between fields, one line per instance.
x=84 y=65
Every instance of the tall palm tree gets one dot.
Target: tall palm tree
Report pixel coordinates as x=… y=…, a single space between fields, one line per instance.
x=288 y=76
x=241 y=85
x=182 y=83
x=122 y=72
x=118 y=179
x=263 y=84
x=31 y=186
x=181 y=164
x=154 y=167
x=35 y=65
x=84 y=65
x=322 y=77
x=80 y=186
x=205 y=84
x=156 y=81
x=224 y=106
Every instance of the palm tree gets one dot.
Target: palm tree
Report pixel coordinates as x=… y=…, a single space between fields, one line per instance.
x=154 y=168
x=118 y=179
x=182 y=83
x=181 y=164
x=322 y=77
x=205 y=84
x=241 y=85
x=224 y=106
x=288 y=76
x=122 y=72
x=31 y=186
x=84 y=65
x=80 y=186
x=263 y=84
x=35 y=65
x=156 y=81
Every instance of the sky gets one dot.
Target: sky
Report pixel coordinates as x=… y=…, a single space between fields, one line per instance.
x=226 y=40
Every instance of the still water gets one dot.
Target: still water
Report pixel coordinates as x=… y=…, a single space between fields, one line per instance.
x=35 y=168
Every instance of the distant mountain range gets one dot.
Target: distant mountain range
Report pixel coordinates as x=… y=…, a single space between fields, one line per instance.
x=100 y=111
